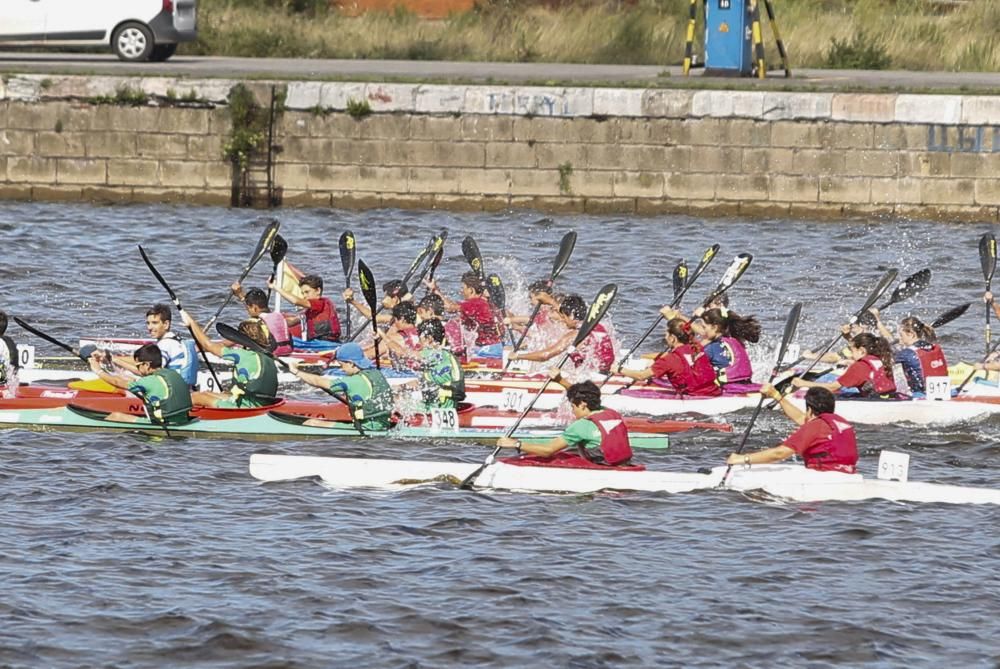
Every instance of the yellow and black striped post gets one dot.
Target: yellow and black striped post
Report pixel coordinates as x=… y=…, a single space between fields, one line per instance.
x=777 y=37
x=758 y=42
x=689 y=44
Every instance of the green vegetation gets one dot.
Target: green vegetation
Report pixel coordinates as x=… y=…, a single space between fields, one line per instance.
x=358 y=109
x=906 y=34
x=125 y=96
x=249 y=120
x=565 y=172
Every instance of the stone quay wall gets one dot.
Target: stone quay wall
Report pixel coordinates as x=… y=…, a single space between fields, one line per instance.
x=478 y=147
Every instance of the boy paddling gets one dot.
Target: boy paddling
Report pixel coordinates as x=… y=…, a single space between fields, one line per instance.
x=320 y=314
x=180 y=355
x=165 y=394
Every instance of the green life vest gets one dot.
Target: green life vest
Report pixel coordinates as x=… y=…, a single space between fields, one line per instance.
x=255 y=376
x=166 y=394
x=375 y=410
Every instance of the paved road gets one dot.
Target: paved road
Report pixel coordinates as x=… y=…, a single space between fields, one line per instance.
x=437 y=71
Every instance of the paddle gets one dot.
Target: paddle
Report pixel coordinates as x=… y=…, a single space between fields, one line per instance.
x=566 y=247
x=347 y=253
x=263 y=246
x=470 y=249
x=706 y=260
x=988 y=259
x=992 y=349
x=879 y=290
x=278 y=250
x=680 y=277
x=733 y=273
x=51 y=339
x=150 y=416
x=177 y=303
x=434 y=255
x=950 y=315
x=498 y=300
x=602 y=302
x=791 y=324
x=421 y=257
x=367 y=281
x=237 y=337
x=907 y=288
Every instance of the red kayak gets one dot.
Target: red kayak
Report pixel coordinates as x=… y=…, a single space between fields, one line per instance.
x=40 y=396
x=468 y=415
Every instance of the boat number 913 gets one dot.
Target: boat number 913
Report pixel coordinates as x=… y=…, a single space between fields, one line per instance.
x=444 y=420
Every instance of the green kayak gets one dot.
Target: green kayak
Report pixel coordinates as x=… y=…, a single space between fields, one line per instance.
x=274 y=426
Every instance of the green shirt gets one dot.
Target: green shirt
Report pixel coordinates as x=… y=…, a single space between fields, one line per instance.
x=166 y=395
x=254 y=374
x=369 y=392
x=441 y=376
x=582 y=431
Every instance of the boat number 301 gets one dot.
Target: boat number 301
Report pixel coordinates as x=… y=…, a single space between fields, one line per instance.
x=513 y=399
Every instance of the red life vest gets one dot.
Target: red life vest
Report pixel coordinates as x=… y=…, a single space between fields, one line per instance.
x=324 y=324
x=597 y=347
x=932 y=360
x=879 y=378
x=278 y=328
x=701 y=375
x=615 y=446
x=839 y=452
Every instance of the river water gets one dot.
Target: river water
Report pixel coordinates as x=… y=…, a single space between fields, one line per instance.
x=134 y=551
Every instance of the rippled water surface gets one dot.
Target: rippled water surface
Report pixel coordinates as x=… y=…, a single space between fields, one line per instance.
x=130 y=550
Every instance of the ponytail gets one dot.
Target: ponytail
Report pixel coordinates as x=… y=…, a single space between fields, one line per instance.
x=731 y=324
x=919 y=328
x=681 y=329
x=876 y=346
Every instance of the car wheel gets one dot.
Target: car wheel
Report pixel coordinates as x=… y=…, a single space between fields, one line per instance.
x=162 y=51
x=132 y=42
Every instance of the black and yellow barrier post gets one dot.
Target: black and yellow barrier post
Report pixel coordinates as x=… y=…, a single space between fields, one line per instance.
x=689 y=43
x=758 y=40
x=777 y=37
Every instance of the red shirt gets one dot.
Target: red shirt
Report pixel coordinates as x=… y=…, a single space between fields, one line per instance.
x=597 y=349
x=868 y=370
x=477 y=314
x=693 y=379
x=823 y=448
x=321 y=320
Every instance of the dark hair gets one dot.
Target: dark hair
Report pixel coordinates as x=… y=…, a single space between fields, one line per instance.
x=255 y=297
x=405 y=311
x=876 y=346
x=820 y=400
x=433 y=302
x=474 y=281
x=254 y=328
x=743 y=328
x=586 y=392
x=313 y=281
x=432 y=328
x=574 y=307
x=161 y=311
x=918 y=328
x=3 y=322
x=681 y=329
x=720 y=300
x=394 y=288
x=150 y=353
x=541 y=286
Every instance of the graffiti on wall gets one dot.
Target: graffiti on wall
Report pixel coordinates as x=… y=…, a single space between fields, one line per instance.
x=963 y=138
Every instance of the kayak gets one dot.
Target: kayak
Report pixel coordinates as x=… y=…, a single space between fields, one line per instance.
x=779 y=482
x=276 y=425
x=45 y=397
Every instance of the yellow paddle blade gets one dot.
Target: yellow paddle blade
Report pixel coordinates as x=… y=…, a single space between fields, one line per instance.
x=94 y=385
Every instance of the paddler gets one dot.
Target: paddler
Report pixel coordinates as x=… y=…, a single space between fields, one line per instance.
x=547 y=325
x=870 y=373
x=475 y=312
x=180 y=355
x=442 y=380
x=255 y=301
x=165 y=394
x=394 y=292
x=10 y=363
x=255 y=377
x=919 y=354
x=726 y=334
x=401 y=338
x=824 y=440
x=684 y=366
x=319 y=313
x=595 y=353
x=599 y=435
x=363 y=386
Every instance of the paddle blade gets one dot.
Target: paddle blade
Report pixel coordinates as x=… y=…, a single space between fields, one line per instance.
x=910 y=286
x=988 y=256
x=240 y=339
x=367 y=281
x=883 y=285
x=566 y=247
x=680 y=277
x=347 y=254
x=159 y=277
x=470 y=249
x=706 y=259
x=602 y=302
x=278 y=249
x=733 y=273
x=950 y=315
x=495 y=291
x=421 y=257
x=48 y=338
x=264 y=245
x=791 y=324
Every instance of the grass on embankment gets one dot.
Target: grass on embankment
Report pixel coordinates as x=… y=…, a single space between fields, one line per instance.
x=866 y=34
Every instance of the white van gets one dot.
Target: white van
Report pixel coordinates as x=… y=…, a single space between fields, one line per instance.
x=137 y=30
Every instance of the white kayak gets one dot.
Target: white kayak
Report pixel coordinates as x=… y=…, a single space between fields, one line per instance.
x=918 y=411
x=783 y=482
